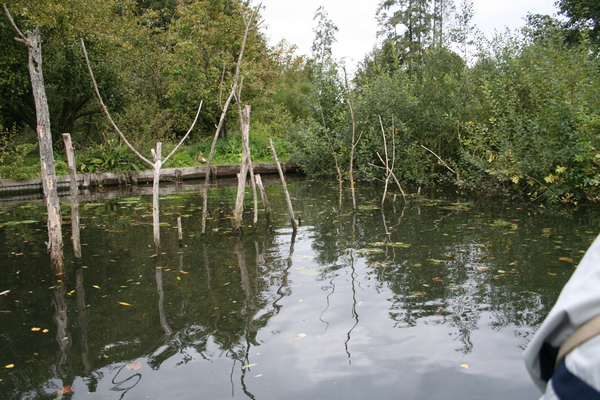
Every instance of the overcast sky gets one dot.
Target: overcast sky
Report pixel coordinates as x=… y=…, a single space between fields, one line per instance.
x=355 y=19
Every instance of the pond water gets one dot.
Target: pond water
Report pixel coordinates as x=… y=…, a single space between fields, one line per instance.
x=435 y=299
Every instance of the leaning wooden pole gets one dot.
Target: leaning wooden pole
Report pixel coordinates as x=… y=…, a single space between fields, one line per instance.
x=75 y=231
x=33 y=41
x=263 y=195
x=284 y=184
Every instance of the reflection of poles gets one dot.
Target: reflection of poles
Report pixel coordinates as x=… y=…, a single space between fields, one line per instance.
x=118 y=384
x=353 y=278
x=284 y=184
x=82 y=320
x=354 y=313
x=161 y=298
x=247 y=287
x=284 y=279
x=210 y=291
x=63 y=337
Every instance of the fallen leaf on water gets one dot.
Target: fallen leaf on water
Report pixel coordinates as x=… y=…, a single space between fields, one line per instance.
x=36 y=329
x=65 y=389
x=9 y=366
x=96 y=286
x=501 y=271
x=416 y=292
x=134 y=366
x=45 y=331
x=249 y=365
x=567 y=259
x=438 y=279
x=124 y=304
x=465 y=366
x=480 y=268
x=551 y=274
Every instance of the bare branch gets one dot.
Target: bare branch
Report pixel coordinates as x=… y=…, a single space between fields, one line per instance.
x=188 y=132
x=393 y=176
x=105 y=110
x=443 y=162
x=23 y=38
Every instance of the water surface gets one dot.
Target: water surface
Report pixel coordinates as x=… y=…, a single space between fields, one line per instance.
x=433 y=299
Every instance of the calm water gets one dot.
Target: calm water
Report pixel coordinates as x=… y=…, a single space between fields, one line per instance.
x=433 y=300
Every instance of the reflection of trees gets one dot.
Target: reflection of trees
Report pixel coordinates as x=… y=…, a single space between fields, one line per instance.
x=449 y=289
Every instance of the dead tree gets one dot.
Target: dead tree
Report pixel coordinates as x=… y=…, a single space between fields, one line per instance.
x=156 y=154
x=248 y=21
x=33 y=41
x=245 y=162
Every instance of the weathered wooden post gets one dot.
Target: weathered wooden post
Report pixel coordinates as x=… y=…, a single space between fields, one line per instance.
x=284 y=184
x=33 y=41
x=239 y=203
x=157 y=156
x=75 y=234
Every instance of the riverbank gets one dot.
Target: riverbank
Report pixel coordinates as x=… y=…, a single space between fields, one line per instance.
x=10 y=187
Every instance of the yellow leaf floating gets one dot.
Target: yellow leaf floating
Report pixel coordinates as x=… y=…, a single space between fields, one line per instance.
x=45 y=331
x=567 y=259
x=9 y=366
x=35 y=329
x=466 y=366
x=249 y=365
x=96 y=286
x=124 y=304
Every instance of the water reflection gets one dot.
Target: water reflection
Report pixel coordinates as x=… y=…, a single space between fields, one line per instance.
x=381 y=299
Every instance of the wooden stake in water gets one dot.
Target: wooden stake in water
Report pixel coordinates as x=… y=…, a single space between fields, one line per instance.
x=284 y=184
x=75 y=235
x=179 y=230
x=239 y=203
x=157 y=155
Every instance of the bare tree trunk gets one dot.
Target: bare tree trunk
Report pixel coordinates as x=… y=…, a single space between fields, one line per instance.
x=34 y=50
x=284 y=184
x=75 y=234
x=354 y=143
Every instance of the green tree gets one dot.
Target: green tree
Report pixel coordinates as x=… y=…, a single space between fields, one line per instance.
x=584 y=16
x=407 y=27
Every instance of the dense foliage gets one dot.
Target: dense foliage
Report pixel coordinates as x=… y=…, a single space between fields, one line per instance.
x=436 y=101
